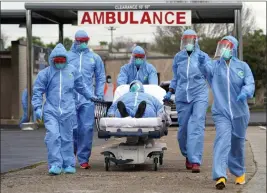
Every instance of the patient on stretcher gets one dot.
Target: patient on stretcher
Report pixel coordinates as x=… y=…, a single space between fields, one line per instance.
x=136 y=104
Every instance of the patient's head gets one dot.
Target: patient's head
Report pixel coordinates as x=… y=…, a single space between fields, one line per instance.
x=136 y=86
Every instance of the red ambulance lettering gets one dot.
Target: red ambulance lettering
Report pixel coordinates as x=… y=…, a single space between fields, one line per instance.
x=86 y=18
x=99 y=19
x=156 y=18
x=179 y=17
x=166 y=18
x=132 y=21
x=145 y=18
x=110 y=18
x=120 y=20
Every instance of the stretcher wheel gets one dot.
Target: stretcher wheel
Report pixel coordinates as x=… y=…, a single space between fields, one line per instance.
x=107 y=164
x=156 y=162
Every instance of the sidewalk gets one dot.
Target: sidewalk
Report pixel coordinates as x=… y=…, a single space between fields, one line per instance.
x=257 y=139
x=172 y=177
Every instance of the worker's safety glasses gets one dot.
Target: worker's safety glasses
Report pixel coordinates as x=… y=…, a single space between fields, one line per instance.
x=59 y=60
x=82 y=40
x=187 y=39
x=141 y=56
x=222 y=46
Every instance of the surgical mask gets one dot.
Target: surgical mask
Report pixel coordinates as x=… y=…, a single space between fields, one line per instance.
x=60 y=66
x=109 y=80
x=83 y=46
x=135 y=88
x=189 y=47
x=227 y=54
x=139 y=62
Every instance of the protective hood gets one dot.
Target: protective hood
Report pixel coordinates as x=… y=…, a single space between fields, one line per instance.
x=137 y=50
x=75 y=45
x=140 y=83
x=235 y=42
x=59 y=50
x=192 y=32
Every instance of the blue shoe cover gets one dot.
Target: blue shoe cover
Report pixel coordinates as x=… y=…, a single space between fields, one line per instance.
x=70 y=170
x=55 y=170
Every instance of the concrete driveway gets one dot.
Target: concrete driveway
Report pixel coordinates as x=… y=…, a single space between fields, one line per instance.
x=172 y=177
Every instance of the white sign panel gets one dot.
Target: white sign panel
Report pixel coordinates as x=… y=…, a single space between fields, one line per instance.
x=138 y=17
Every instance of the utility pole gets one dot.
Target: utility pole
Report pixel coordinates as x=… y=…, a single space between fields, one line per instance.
x=111 y=28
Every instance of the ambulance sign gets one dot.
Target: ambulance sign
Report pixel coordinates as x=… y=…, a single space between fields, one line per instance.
x=144 y=17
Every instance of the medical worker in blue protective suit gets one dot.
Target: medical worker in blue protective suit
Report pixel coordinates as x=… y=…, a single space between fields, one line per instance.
x=24 y=102
x=136 y=104
x=138 y=69
x=58 y=82
x=91 y=67
x=191 y=96
x=232 y=83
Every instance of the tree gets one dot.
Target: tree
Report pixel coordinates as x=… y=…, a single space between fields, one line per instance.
x=255 y=53
x=35 y=41
x=167 y=39
x=51 y=45
x=103 y=43
x=122 y=42
x=67 y=42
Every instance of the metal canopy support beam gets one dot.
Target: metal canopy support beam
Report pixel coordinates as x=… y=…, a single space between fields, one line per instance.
x=235 y=24
x=29 y=60
x=239 y=34
x=61 y=33
x=48 y=16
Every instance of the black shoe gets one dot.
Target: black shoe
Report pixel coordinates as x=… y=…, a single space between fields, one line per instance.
x=122 y=109
x=140 y=110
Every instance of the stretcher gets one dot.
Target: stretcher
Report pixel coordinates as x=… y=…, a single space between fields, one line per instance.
x=141 y=134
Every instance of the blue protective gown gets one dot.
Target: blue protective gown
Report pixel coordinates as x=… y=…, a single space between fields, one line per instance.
x=24 y=102
x=191 y=96
x=231 y=117
x=59 y=109
x=147 y=74
x=131 y=100
x=91 y=67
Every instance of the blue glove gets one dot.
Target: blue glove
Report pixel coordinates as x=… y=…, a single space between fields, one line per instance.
x=201 y=58
x=241 y=97
x=38 y=114
x=167 y=97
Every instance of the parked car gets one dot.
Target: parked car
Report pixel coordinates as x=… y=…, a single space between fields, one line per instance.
x=165 y=85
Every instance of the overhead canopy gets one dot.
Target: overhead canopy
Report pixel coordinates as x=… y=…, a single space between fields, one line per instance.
x=66 y=13
x=19 y=17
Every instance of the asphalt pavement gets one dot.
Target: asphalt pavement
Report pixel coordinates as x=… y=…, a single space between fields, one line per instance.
x=23 y=148
x=256 y=119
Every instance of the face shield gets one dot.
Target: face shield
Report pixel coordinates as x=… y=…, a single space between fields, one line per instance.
x=82 y=42
x=138 y=59
x=135 y=87
x=60 y=62
x=188 y=42
x=224 y=49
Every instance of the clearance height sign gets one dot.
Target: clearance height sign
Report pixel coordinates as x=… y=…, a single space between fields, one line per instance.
x=136 y=17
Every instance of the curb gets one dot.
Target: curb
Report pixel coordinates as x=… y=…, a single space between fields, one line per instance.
x=256 y=167
x=25 y=168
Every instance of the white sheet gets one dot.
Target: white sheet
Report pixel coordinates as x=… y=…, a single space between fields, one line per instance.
x=153 y=90
x=130 y=122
